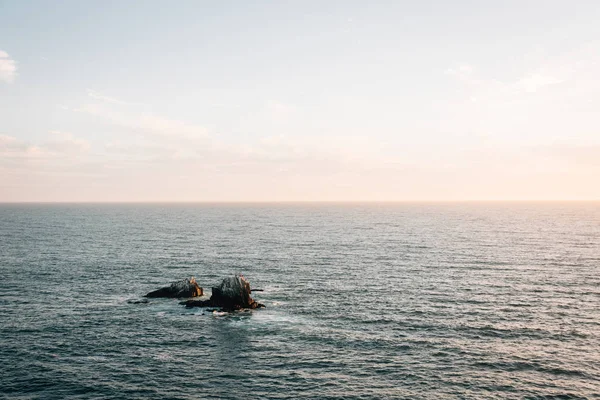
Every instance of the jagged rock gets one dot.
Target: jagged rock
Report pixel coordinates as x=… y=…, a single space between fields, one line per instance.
x=184 y=288
x=232 y=294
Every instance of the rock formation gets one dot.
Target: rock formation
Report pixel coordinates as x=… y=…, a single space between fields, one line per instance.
x=232 y=294
x=184 y=288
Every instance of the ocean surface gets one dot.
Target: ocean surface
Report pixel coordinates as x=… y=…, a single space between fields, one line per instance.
x=363 y=301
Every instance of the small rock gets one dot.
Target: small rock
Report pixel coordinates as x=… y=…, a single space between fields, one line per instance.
x=184 y=288
x=142 y=301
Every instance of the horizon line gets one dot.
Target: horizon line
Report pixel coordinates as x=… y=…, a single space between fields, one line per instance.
x=303 y=201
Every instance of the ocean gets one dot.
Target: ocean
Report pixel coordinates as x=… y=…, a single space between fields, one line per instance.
x=363 y=301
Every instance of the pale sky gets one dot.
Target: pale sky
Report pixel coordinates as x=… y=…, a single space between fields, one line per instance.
x=299 y=100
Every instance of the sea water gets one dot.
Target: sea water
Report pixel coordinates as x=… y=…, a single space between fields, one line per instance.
x=370 y=301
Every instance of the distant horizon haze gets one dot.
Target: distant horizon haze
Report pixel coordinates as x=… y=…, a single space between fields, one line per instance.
x=306 y=202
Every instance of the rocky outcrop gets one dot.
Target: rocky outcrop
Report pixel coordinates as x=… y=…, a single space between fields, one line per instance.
x=232 y=294
x=184 y=288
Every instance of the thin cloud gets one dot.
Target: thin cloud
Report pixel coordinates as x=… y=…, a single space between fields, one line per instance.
x=577 y=65
x=58 y=145
x=63 y=142
x=534 y=82
x=278 y=111
x=463 y=72
x=146 y=124
x=11 y=147
x=8 y=68
x=584 y=156
x=98 y=96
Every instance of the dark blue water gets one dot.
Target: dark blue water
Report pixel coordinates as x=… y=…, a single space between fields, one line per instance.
x=430 y=301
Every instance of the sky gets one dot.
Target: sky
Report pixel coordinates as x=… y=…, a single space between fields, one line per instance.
x=299 y=100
